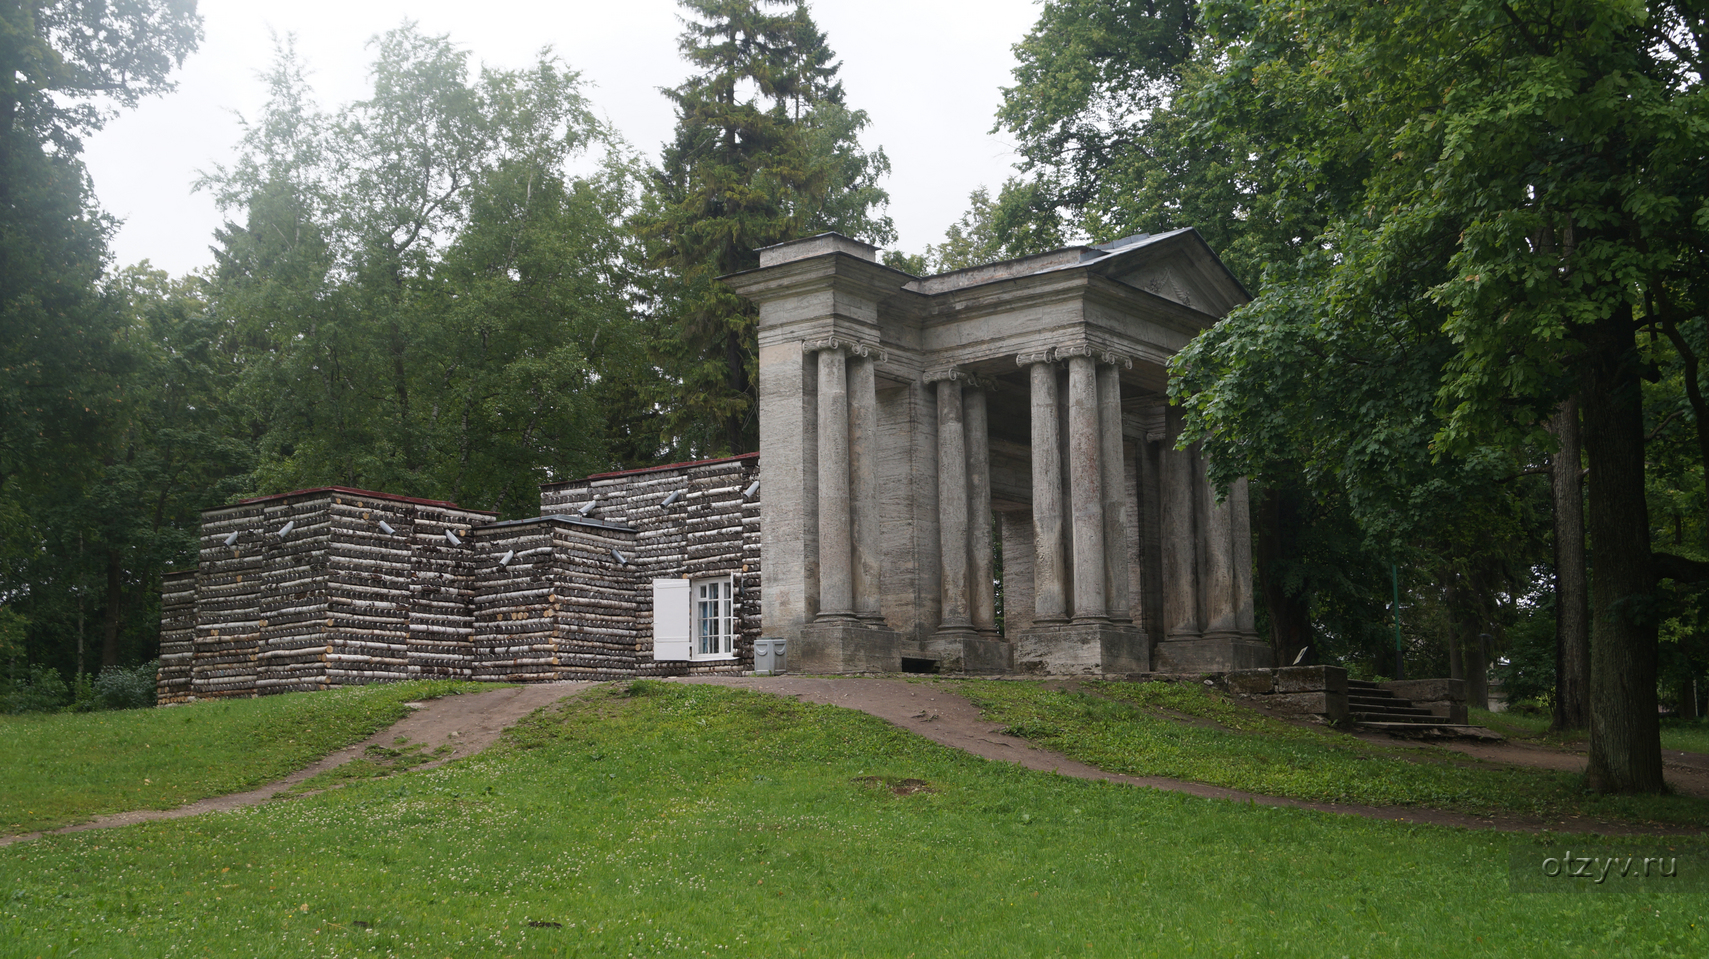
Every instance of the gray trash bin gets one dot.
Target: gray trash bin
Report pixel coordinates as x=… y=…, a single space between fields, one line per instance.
x=769 y=657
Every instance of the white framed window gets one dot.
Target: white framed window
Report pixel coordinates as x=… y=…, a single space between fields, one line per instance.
x=694 y=619
x=714 y=619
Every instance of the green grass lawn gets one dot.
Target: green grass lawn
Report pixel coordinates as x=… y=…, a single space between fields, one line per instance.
x=1691 y=736
x=1146 y=729
x=66 y=768
x=695 y=820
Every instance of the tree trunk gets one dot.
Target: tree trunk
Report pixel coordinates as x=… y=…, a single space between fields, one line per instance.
x=1572 y=591
x=1467 y=653
x=115 y=609
x=1290 y=614
x=1625 y=735
x=1688 y=699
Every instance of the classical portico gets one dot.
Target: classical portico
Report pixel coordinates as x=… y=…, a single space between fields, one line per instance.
x=915 y=432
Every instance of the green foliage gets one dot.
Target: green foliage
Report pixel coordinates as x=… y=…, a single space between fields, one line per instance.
x=765 y=151
x=702 y=819
x=119 y=688
x=424 y=300
x=67 y=768
x=33 y=689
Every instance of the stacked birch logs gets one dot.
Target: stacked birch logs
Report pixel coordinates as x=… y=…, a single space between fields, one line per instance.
x=228 y=607
x=711 y=528
x=177 y=636
x=296 y=533
x=552 y=601
x=441 y=592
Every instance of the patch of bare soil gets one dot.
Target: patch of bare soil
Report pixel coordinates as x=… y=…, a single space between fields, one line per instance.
x=947 y=718
x=467 y=724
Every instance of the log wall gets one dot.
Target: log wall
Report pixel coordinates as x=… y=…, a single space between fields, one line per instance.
x=711 y=529
x=338 y=599
x=177 y=636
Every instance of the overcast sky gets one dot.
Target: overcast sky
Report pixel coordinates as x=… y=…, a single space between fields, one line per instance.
x=928 y=71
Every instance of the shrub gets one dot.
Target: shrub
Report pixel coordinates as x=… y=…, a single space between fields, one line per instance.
x=120 y=688
x=39 y=690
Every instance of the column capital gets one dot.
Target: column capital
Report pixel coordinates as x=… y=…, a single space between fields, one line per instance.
x=827 y=345
x=1112 y=358
x=1077 y=349
x=877 y=353
x=1031 y=359
x=951 y=373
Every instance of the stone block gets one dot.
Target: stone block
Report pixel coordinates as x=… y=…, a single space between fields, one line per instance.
x=968 y=654
x=1082 y=650
x=1331 y=706
x=847 y=648
x=1213 y=655
x=1310 y=679
x=1422 y=691
x=1449 y=712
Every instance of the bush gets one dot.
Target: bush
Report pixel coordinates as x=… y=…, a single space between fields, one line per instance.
x=120 y=688
x=40 y=690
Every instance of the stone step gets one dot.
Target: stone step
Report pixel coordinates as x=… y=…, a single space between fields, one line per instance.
x=1364 y=718
x=1434 y=730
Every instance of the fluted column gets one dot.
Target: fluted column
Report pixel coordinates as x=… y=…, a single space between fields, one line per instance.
x=981 y=572
x=952 y=502
x=863 y=479
x=1116 y=573
x=1179 y=471
x=1239 y=503
x=1086 y=489
x=1050 y=604
x=836 y=586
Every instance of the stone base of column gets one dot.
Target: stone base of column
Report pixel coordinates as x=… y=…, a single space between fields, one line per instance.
x=1101 y=649
x=1213 y=654
x=847 y=647
x=968 y=653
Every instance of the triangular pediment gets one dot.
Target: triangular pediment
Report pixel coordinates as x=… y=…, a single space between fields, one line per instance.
x=1179 y=267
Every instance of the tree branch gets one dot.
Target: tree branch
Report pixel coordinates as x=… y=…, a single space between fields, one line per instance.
x=1678 y=568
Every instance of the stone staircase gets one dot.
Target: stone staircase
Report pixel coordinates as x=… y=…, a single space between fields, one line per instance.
x=1376 y=708
x=1369 y=703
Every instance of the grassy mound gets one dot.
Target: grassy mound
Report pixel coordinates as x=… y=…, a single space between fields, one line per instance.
x=66 y=768
x=1183 y=731
x=663 y=819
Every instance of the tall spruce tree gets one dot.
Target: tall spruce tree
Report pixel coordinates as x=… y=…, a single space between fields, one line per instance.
x=765 y=151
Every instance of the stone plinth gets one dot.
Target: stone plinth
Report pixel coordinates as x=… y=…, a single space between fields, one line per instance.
x=1089 y=649
x=833 y=647
x=1212 y=654
x=976 y=655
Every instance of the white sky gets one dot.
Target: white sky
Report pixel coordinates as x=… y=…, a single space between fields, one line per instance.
x=928 y=72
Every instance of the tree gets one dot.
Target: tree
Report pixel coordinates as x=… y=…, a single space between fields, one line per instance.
x=68 y=368
x=426 y=301
x=1533 y=193
x=765 y=151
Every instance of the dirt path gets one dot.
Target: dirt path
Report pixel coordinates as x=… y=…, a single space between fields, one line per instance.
x=947 y=718
x=468 y=723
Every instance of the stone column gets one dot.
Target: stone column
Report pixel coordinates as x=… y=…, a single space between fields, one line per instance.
x=1179 y=481
x=836 y=586
x=981 y=570
x=1218 y=584
x=1086 y=489
x=1239 y=504
x=863 y=480
x=952 y=503
x=1050 y=604
x=1114 y=463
